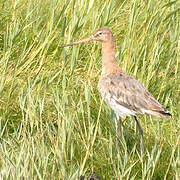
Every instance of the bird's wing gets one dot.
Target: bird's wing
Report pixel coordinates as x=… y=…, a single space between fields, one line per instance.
x=130 y=93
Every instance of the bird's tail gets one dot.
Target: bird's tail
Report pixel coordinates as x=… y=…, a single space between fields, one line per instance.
x=161 y=114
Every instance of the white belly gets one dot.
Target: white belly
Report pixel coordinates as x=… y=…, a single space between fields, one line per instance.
x=119 y=109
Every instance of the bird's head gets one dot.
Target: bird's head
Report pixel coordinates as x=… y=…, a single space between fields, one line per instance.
x=103 y=34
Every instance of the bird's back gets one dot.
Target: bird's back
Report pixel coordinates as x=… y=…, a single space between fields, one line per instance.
x=127 y=96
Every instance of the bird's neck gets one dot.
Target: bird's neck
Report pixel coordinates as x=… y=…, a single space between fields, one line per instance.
x=109 y=64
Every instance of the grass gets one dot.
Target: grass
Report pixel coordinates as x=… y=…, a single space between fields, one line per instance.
x=53 y=123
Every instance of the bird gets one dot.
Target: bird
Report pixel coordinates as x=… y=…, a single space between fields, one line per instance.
x=125 y=95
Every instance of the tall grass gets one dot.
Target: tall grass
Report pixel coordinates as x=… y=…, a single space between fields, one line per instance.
x=53 y=123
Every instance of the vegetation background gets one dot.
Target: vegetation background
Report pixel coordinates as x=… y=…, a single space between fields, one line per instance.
x=53 y=124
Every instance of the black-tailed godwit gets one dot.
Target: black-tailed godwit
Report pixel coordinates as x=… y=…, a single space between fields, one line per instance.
x=124 y=94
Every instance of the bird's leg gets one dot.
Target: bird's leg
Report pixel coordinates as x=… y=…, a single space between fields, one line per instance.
x=141 y=134
x=119 y=126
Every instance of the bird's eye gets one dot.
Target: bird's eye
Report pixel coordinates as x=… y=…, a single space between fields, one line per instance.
x=100 y=33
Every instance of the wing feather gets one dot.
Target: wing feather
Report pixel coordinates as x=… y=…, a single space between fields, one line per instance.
x=130 y=93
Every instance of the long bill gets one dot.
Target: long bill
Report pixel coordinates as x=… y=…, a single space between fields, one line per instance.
x=86 y=40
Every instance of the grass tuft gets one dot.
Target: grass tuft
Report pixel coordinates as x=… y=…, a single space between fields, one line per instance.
x=53 y=123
